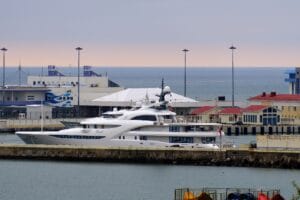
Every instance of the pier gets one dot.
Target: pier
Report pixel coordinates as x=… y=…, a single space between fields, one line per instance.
x=12 y=125
x=241 y=157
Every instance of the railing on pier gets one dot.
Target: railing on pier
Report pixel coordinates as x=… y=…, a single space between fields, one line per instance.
x=224 y=193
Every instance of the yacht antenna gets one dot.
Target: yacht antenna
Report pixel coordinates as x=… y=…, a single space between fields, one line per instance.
x=42 y=116
x=19 y=70
x=162 y=94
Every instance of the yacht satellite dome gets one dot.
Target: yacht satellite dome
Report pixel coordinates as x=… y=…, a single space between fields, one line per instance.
x=167 y=89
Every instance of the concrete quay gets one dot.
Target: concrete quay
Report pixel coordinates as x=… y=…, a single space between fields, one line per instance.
x=245 y=157
x=12 y=125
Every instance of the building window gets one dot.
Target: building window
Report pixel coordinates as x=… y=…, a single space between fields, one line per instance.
x=260 y=118
x=34 y=83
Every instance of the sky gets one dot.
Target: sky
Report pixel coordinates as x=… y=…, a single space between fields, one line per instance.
x=151 y=32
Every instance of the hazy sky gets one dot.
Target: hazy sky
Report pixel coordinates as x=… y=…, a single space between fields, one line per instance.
x=151 y=32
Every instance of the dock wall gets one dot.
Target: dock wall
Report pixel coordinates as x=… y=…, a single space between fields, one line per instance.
x=225 y=157
x=278 y=141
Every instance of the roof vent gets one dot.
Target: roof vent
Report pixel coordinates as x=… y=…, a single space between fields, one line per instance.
x=263 y=94
x=273 y=94
x=221 y=98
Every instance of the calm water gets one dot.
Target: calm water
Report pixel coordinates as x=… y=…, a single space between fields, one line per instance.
x=91 y=180
x=84 y=180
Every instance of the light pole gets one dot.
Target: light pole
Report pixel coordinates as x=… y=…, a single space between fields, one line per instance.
x=232 y=72
x=3 y=74
x=185 y=51
x=78 y=49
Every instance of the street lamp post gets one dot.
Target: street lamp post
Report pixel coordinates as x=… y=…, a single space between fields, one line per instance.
x=3 y=74
x=78 y=49
x=185 y=51
x=232 y=72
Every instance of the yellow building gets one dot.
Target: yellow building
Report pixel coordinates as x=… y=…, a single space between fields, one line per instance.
x=287 y=104
x=204 y=114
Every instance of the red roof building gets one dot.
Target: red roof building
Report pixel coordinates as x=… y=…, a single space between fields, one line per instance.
x=231 y=111
x=205 y=114
x=287 y=104
x=202 y=110
x=254 y=108
x=273 y=96
x=230 y=115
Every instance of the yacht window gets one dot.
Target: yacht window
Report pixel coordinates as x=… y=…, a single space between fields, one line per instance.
x=174 y=128
x=119 y=137
x=111 y=115
x=181 y=139
x=123 y=137
x=143 y=137
x=108 y=126
x=84 y=126
x=189 y=128
x=208 y=140
x=169 y=118
x=135 y=137
x=145 y=117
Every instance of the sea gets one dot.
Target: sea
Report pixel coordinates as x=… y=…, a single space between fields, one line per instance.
x=203 y=83
x=47 y=180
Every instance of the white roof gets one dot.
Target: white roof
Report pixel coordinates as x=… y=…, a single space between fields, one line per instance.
x=130 y=96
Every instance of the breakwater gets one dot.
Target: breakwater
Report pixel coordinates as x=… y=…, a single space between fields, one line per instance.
x=225 y=157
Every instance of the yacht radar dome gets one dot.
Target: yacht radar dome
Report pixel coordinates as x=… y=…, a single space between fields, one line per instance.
x=167 y=90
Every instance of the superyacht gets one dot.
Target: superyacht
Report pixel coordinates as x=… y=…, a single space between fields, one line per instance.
x=150 y=124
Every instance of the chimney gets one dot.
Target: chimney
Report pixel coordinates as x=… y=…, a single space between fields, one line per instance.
x=263 y=94
x=273 y=94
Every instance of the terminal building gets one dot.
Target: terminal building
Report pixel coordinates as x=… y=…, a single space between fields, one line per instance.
x=293 y=80
x=16 y=100
x=63 y=94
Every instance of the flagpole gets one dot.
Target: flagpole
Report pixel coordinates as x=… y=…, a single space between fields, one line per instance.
x=220 y=132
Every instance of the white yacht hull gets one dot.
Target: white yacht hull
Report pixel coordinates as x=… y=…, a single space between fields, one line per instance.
x=55 y=139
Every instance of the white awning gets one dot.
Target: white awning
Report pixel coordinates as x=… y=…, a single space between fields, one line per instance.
x=130 y=96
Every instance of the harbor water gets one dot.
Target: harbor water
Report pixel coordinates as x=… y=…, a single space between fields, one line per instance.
x=27 y=179
x=98 y=180
x=47 y=180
